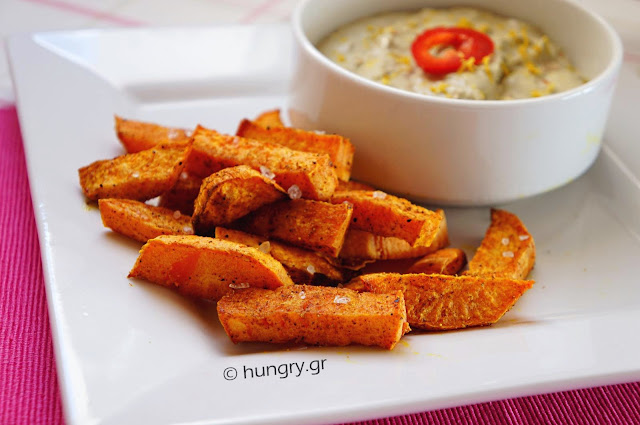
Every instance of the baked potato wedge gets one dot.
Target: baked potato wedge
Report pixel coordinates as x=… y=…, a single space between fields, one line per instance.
x=339 y=148
x=140 y=176
x=140 y=221
x=313 y=225
x=443 y=302
x=363 y=245
x=507 y=250
x=316 y=315
x=443 y=261
x=303 y=266
x=387 y=215
x=206 y=268
x=313 y=174
x=183 y=194
x=138 y=136
x=270 y=119
x=230 y=194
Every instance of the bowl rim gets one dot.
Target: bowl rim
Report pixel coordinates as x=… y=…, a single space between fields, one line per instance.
x=608 y=73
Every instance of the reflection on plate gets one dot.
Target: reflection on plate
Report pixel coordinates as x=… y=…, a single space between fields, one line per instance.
x=131 y=352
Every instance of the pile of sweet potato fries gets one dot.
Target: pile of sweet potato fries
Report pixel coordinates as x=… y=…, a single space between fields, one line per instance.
x=268 y=224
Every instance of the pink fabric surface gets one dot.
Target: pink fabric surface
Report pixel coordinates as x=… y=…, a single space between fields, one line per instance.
x=29 y=391
x=28 y=385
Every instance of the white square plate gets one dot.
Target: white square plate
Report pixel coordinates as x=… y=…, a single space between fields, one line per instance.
x=129 y=352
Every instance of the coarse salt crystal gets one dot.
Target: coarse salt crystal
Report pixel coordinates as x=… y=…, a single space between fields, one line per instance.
x=184 y=175
x=173 y=134
x=508 y=254
x=311 y=269
x=235 y=141
x=302 y=295
x=341 y=300
x=135 y=174
x=188 y=230
x=523 y=237
x=505 y=241
x=242 y=285
x=267 y=173
x=319 y=132
x=294 y=192
x=188 y=133
x=378 y=194
x=265 y=247
x=176 y=214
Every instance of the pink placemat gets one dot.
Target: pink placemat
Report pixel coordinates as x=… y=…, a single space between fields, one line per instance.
x=29 y=391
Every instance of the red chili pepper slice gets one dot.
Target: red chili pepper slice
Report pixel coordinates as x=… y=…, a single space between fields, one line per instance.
x=441 y=50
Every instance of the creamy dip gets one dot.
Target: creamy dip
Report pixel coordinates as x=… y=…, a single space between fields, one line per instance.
x=524 y=63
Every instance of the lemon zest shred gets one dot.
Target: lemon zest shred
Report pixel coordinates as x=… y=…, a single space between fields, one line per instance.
x=551 y=87
x=532 y=68
x=487 y=69
x=440 y=88
x=522 y=50
x=537 y=47
x=468 y=64
x=548 y=90
x=464 y=23
x=401 y=59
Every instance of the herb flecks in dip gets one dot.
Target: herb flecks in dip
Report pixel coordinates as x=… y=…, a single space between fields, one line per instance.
x=524 y=62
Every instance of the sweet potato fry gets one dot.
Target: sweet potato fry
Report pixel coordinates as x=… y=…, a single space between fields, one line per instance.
x=183 y=194
x=206 y=267
x=507 y=250
x=388 y=215
x=140 y=221
x=312 y=173
x=442 y=302
x=361 y=245
x=304 y=267
x=318 y=226
x=138 y=136
x=339 y=148
x=141 y=176
x=315 y=315
x=352 y=185
x=230 y=194
x=443 y=261
x=270 y=119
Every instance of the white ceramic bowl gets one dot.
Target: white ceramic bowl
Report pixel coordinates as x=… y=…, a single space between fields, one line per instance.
x=452 y=151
